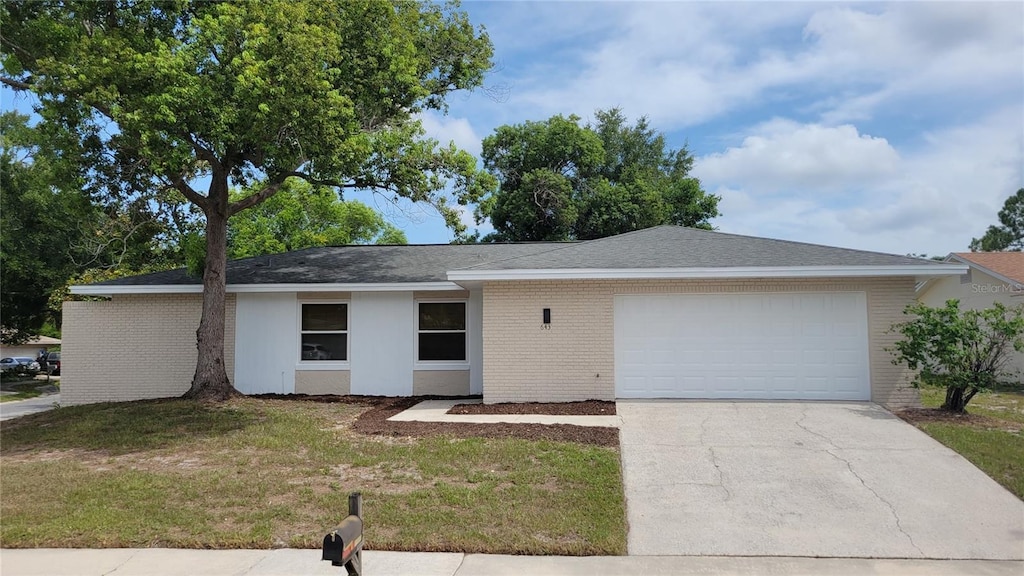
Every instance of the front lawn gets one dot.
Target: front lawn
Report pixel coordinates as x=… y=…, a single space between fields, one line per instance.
x=259 y=473
x=990 y=435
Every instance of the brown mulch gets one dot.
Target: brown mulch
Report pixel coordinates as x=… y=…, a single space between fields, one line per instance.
x=919 y=416
x=374 y=422
x=584 y=408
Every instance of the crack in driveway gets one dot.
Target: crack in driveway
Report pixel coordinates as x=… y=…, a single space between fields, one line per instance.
x=892 y=509
x=849 y=466
x=714 y=458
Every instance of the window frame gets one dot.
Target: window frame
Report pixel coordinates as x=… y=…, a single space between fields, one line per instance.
x=301 y=364
x=440 y=364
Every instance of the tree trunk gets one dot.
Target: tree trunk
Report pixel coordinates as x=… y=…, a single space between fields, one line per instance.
x=210 y=382
x=957 y=399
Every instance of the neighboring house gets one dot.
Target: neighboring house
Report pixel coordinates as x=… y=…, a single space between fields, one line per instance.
x=990 y=277
x=30 y=348
x=666 y=312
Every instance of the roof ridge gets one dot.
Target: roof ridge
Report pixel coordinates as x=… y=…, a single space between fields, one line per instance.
x=802 y=243
x=560 y=245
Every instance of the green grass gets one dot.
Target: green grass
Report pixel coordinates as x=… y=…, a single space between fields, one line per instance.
x=23 y=389
x=262 y=473
x=992 y=438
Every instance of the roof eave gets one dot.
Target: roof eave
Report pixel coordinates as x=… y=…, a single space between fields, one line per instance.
x=115 y=290
x=916 y=271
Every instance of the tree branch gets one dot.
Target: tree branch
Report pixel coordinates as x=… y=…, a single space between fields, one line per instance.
x=16 y=84
x=202 y=152
x=189 y=193
x=250 y=201
x=316 y=182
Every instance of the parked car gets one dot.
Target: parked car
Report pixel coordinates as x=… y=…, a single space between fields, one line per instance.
x=19 y=364
x=53 y=363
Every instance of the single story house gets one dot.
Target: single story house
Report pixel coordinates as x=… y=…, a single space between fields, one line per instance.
x=29 y=348
x=666 y=312
x=990 y=277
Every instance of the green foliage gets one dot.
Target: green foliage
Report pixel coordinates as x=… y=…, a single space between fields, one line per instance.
x=303 y=216
x=149 y=98
x=560 y=180
x=299 y=216
x=1009 y=233
x=52 y=230
x=964 y=350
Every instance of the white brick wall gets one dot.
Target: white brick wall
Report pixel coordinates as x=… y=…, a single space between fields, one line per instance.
x=574 y=358
x=134 y=346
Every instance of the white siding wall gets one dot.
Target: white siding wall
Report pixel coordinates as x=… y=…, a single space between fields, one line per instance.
x=266 y=346
x=475 y=320
x=381 y=331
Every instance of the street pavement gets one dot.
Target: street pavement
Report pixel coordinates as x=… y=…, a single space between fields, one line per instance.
x=18 y=408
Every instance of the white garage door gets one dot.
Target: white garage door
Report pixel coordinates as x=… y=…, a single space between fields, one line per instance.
x=794 y=346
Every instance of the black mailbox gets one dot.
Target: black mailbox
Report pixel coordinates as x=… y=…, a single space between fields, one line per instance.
x=343 y=546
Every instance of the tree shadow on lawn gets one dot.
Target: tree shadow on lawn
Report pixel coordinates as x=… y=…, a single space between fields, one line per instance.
x=122 y=427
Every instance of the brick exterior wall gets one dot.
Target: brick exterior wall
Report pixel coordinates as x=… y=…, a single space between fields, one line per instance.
x=134 y=347
x=322 y=382
x=574 y=358
x=440 y=382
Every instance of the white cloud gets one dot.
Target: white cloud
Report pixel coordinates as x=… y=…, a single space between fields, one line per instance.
x=930 y=197
x=782 y=155
x=687 y=63
x=447 y=129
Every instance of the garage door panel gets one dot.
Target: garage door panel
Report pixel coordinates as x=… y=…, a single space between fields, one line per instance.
x=772 y=346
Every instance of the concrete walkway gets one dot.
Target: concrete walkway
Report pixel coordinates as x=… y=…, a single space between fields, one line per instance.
x=288 y=562
x=436 y=411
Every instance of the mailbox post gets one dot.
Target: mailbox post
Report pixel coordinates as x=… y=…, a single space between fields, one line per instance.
x=343 y=546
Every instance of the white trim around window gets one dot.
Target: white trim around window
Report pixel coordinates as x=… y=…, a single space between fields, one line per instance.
x=442 y=364
x=304 y=363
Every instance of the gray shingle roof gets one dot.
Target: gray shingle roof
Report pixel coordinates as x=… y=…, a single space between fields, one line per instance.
x=350 y=264
x=659 y=247
x=679 y=247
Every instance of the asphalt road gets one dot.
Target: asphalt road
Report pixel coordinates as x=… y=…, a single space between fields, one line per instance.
x=18 y=408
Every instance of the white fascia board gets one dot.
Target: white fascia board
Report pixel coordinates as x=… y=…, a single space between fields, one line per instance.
x=99 y=290
x=700 y=273
x=383 y=287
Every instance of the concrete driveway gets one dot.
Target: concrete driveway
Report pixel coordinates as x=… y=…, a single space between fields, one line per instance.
x=804 y=479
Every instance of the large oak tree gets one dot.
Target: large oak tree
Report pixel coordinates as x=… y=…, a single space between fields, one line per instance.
x=199 y=96
x=562 y=180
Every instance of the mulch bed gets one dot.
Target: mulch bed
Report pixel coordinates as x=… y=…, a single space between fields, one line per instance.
x=919 y=416
x=374 y=422
x=584 y=408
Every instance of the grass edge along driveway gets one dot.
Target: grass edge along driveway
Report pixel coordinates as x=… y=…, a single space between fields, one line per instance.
x=990 y=435
x=258 y=473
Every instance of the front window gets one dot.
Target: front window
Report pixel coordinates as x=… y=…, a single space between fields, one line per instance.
x=324 y=332
x=442 y=331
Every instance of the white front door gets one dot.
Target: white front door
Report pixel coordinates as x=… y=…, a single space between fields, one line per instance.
x=793 y=346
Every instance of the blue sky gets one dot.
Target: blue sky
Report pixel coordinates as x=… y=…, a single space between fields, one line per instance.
x=896 y=127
